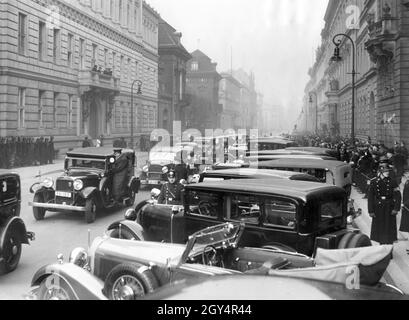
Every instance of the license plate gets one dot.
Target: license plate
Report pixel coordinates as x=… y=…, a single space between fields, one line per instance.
x=63 y=194
x=154 y=182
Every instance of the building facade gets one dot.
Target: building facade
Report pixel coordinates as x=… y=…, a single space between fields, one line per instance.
x=229 y=98
x=67 y=68
x=173 y=58
x=204 y=111
x=380 y=32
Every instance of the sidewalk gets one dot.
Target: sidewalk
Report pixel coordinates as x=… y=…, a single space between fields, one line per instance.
x=397 y=273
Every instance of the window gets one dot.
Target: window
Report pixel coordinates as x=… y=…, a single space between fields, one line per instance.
x=129 y=76
x=42 y=43
x=82 y=53
x=112 y=8
x=280 y=213
x=56 y=45
x=195 y=66
x=120 y=11
x=245 y=208
x=70 y=41
x=113 y=60
x=70 y=110
x=105 y=58
x=205 y=204
x=331 y=209
x=122 y=65
x=41 y=95
x=22 y=36
x=21 y=108
x=55 y=100
x=94 y=54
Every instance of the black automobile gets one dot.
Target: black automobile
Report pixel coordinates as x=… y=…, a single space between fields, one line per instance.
x=94 y=179
x=288 y=215
x=13 y=232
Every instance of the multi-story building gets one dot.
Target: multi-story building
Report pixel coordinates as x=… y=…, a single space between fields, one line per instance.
x=172 y=77
x=202 y=86
x=229 y=98
x=66 y=68
x=380 y=32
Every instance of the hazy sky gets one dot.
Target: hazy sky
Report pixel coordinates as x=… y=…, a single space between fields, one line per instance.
x=276 y=39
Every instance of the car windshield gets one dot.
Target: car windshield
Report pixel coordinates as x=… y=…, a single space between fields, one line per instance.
x=224 y=235
x=73 y=163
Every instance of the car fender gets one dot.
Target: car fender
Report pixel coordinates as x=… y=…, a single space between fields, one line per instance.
x=133 y=227
x=134 y=184
x=88 y=192
x=83 y=284
x=17 y=225
x=37 y=188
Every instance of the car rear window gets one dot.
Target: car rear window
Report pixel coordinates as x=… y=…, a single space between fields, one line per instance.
x=9 y=189
x=331 y=210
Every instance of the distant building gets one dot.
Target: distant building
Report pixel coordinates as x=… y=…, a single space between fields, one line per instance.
x=67 y=68
x=173 y=58
x=229 y=98
x=204 y=111
x=381 y=39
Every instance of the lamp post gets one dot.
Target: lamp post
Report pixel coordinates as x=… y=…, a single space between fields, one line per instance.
x=316 y=110
x=139 y=92
x=336 y=58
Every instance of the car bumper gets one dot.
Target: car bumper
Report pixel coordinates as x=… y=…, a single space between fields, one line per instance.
x=59 y=207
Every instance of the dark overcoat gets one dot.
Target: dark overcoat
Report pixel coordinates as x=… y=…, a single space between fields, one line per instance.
x=404 y=224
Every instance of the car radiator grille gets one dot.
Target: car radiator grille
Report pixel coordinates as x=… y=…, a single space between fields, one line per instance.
x=64 y=185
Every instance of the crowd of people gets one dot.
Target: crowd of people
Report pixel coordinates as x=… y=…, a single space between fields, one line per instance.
x=26 y=151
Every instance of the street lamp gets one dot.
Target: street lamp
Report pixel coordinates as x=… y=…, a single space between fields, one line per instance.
x=316 y=110
x=336 y=58
x=139 y=92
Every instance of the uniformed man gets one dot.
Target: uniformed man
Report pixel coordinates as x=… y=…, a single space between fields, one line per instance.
x=384 y=203
x=119 y=171
x=171 y=192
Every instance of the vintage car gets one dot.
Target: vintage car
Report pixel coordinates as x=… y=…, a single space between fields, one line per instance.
x=315 y=150
x=271 y=143
x=250 y=173
x=295 y=216
x=13 y=232
x=268 y=156
x=327 y=171
x=90 y=183
x=118 y=269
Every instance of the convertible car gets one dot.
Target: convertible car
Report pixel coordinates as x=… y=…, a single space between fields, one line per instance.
x=128 y=270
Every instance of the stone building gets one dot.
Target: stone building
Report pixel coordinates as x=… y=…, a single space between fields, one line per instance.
x=173 y=58
x=204 y=111
x=229 y=98
x=380 y=32
x=66 y=68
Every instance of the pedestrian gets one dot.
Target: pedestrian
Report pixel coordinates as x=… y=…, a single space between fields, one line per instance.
x=100 y=141
x=404 y=223
x=86 y=143
x=51 y=150
x=384 y=203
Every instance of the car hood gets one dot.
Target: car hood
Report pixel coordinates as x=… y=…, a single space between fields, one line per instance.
x=141 y=251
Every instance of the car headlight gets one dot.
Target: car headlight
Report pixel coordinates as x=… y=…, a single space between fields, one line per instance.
x=78 y=185
x=112 y=160
x=48 y=182
x=145 y=169
x=79 y=257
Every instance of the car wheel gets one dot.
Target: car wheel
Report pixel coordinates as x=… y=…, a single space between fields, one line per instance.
x=343 y=244
x=90 y=211
x=124 y=234
x=11 y=253
x=359 y=241
x=129 y=282
x=39 y=213
x=55 y=288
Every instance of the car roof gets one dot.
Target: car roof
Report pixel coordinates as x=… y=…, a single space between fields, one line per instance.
x=96 y=152
x=303 y=163
x=5 y=172
x=272 y=140
x=298 y=157
x=254 y=172
x=298 y=189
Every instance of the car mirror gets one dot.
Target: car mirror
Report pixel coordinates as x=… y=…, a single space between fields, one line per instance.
x=130 y=215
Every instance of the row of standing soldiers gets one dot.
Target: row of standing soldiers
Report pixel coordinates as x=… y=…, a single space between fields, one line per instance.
x=26 y=151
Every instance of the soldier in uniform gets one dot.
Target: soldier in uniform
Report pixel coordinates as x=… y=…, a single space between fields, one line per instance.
x=404 y=224
x=171 y=192
x=384 y=204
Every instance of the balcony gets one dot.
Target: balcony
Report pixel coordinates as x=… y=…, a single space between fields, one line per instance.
x=99 y=80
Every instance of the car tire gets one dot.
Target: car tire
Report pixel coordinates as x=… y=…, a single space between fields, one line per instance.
x=90 y=211
x=124 y=234
x=39 y=213
x=359 y=241
x=55 y=288
x=343 y=244
x=11 y=252
x=137 y=278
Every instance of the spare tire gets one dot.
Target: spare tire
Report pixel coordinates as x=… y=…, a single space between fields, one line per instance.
x=343 y=244
x=359 y=240
x=129 y=282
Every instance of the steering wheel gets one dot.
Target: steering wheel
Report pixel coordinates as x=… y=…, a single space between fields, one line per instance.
x=211 y=258
x=206 y=209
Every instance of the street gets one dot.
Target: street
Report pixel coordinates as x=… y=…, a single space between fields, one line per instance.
x=57 y=233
